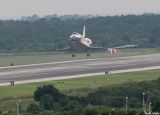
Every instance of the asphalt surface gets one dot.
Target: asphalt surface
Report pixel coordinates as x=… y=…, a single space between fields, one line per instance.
x=76 y=67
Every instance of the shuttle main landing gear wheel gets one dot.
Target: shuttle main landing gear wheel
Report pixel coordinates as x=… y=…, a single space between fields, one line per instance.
x=88 y=55
x=73 y=55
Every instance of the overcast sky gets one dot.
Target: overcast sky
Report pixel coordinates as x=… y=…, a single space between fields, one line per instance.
x=18 y=8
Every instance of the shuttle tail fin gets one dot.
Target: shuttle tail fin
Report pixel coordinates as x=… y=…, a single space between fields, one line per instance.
x=84 y=31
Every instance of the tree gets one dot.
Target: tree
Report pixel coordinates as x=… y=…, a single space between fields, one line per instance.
x=156 y=107
x=46 y=101
x=132 y=112
x=91 y=112
x=51 y=91
x=51 y=33
x=72 y=106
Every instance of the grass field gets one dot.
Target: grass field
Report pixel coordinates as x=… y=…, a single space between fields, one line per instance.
x=76 y=86
x=33 y=58
x=77 y=83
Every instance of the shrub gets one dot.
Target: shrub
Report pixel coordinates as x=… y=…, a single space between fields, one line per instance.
x=32 y=108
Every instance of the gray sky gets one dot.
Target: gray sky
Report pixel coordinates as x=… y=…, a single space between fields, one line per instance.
x=18 y=8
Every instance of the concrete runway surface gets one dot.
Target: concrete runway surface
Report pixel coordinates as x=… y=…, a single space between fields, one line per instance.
x=76 y=67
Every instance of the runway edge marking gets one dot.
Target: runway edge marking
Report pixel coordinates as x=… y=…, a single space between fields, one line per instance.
x=80 y=60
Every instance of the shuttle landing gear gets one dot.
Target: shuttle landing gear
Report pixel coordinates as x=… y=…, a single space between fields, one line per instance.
x=73 y=55
x=88 y=54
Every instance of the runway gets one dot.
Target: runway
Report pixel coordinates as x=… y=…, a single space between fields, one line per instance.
x=76 y=67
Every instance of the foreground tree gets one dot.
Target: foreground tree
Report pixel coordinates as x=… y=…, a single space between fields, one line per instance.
x=156 y=107
x=46 y=101
x=48 y=96
x=50 y=90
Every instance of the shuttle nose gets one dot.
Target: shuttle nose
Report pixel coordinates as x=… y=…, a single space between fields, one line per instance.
x=72 y=37
x=75 y=36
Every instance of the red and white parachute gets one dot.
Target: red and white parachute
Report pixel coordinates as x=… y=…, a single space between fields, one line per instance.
x=112 y=50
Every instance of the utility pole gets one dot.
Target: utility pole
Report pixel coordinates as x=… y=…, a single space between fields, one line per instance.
x=126 y=105
x=17 y=105
x=143 y=102
x=150 y=109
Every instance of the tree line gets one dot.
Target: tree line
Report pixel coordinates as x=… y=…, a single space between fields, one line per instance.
x=51 y=34
x=100 y=101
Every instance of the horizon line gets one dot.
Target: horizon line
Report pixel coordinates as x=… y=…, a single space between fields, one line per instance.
x=59 y=15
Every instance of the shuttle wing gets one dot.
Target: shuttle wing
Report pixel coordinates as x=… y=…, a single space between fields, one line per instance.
x=67 y=49
x=97 y=49
x=126 y=46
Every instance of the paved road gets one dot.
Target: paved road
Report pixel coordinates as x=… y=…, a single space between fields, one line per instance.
x=70 y=68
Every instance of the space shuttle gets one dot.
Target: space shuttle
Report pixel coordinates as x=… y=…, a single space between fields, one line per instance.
x=80 y=43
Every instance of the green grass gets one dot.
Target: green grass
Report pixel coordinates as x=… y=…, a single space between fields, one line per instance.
x=77 y=83
x=33 y=58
